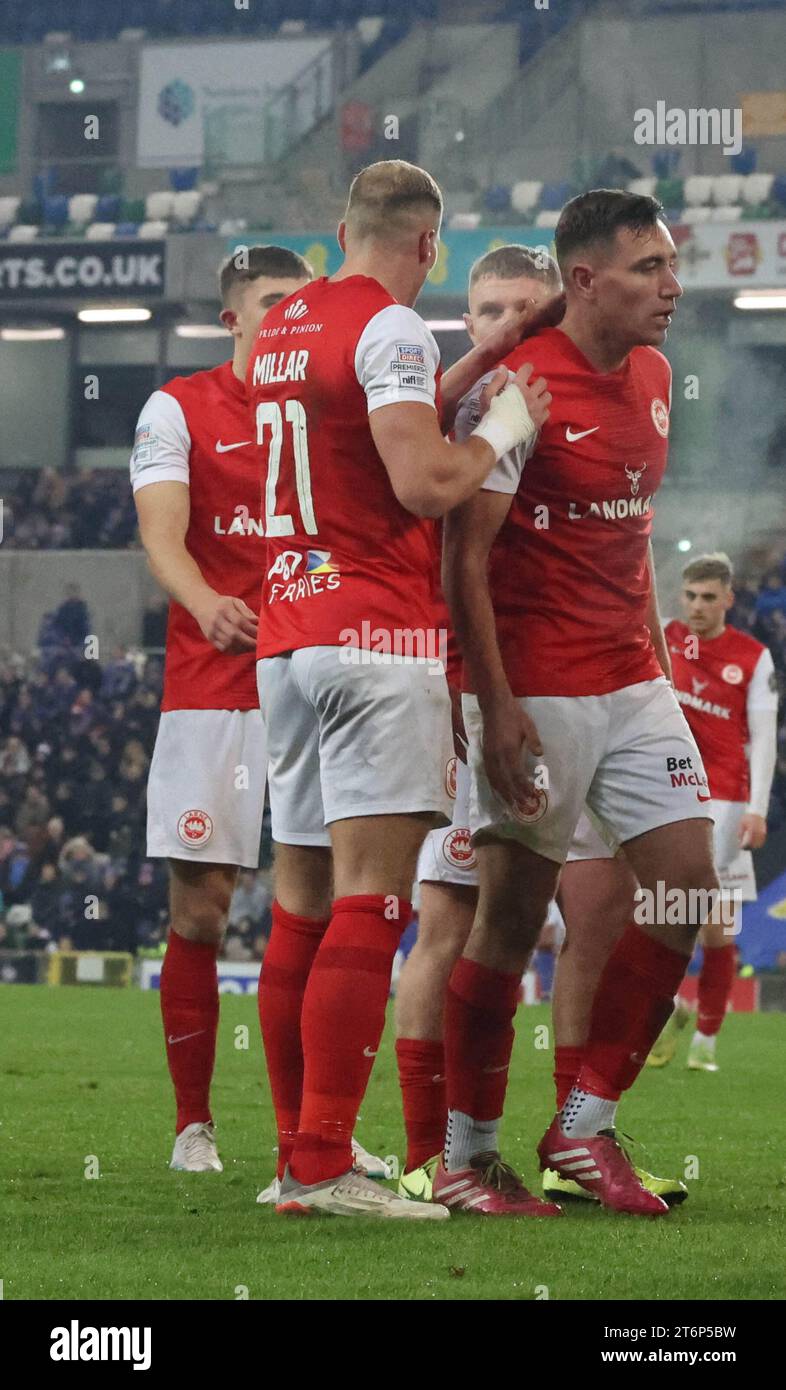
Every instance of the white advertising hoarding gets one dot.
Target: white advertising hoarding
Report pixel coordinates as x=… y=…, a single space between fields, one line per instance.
x=182 y=84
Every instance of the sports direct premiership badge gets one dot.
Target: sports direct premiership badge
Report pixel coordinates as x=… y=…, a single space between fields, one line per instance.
x=195 y=828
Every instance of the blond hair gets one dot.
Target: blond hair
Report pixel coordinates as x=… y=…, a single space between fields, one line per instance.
x=386 y=200
x=716 y=565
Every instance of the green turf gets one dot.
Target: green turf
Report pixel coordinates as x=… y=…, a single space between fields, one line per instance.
x=83 y=1074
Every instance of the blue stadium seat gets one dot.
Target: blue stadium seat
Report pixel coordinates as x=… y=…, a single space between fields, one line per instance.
x=182 y=180
x=107 y=208
x=55 y=208
x=555 y=195
x=125 y=229
x=497 y=199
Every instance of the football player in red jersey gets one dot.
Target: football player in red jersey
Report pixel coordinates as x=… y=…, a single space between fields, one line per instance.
x=343 y=381
x=725 y=681
x=548 y=576
x=195 y=474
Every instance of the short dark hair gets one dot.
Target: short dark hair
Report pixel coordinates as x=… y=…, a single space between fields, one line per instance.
x=510 y=262
x=248 y=263
x=714 y=566
x=594 y=218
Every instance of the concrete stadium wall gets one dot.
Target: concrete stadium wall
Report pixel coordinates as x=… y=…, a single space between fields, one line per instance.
x=116 y=585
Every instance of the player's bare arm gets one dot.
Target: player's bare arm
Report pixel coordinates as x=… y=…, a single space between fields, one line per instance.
x=430 y=476
x=485 y=355
x=470 y=532
x=163 y=510
x=655 y=623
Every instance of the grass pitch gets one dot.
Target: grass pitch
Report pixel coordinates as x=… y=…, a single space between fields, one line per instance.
x=85 y=1090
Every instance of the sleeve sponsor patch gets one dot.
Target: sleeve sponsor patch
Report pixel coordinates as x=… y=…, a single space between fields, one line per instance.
x=409 y=365
x=144 y=442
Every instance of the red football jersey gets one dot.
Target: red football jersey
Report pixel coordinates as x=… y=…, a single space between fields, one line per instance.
x=568 y=571
x=717 y=682
x=195 y=430
x=345 y=564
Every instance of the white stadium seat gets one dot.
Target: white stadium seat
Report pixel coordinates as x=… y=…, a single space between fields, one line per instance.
x=23 y=231
x=81 y=208
x=643 y=188
x=8 y=210
x=159 y=205
x=756 y=188
x=185 y=206
x=464 y=221
x=100 y=231
x=726 y=190
x=727 y=213
x=525 y=195
x=697 y=190
x=151 y=231
x=547 y=218
x=692 y=216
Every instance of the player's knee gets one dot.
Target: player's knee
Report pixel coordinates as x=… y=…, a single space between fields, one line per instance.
x=202 y=921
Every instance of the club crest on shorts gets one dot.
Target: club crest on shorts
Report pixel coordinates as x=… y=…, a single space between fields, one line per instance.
x=195 y=828
x=660 y=416
x=534 y=809
x=732 y=674
x=450 y=777
x=457 y=849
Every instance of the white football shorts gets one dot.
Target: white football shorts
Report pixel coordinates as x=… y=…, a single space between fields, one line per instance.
x=206 y=787
x=447 y=854
x=352 y=733
x=629 y=754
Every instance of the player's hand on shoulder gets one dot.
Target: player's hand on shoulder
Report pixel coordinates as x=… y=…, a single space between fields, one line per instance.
x=536 y=394
x=508 y=734
x=507 y=336
x=228 y=624
x=752 y=831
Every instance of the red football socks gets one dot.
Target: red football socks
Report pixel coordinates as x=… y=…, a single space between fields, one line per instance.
x=634 y=998
x=479 y=1036
x=567 y=1065
x=718 y=970
x=421 y=1074
x=189 y=1008
x=294 y=942
x=341 y=1027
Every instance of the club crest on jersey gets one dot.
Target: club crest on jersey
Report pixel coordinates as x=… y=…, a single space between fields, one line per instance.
x=450 y=776
x=732 y=674
x=533 y=809
x=634 y=474
x=660 y=416
x=457 y=849
x=195 y=828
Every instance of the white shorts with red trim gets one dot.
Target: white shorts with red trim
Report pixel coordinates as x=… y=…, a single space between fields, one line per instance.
x=629 y=755
x=352 y=733
x=447 y=854
x=206 y=788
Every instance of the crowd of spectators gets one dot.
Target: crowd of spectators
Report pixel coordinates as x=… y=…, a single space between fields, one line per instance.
x=45 y=509
x=76 y=737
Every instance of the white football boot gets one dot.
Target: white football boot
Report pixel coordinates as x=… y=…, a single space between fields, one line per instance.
x=195 y=1150
x=352 y=1194
x=369 y=1165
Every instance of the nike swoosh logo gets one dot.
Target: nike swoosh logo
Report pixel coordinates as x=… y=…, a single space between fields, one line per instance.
x=572 y=436
x=224 y=448
x=435 y=1079
x=368 y=1053
x=185 y=1036
x=703 y=798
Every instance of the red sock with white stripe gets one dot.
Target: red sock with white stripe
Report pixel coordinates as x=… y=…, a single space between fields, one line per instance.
x=479 y=1011
x=294 y=942
x=341 y=1027
x=421 y=1075
x=189 y=1009
x=633 y=1000
x=716 y=981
